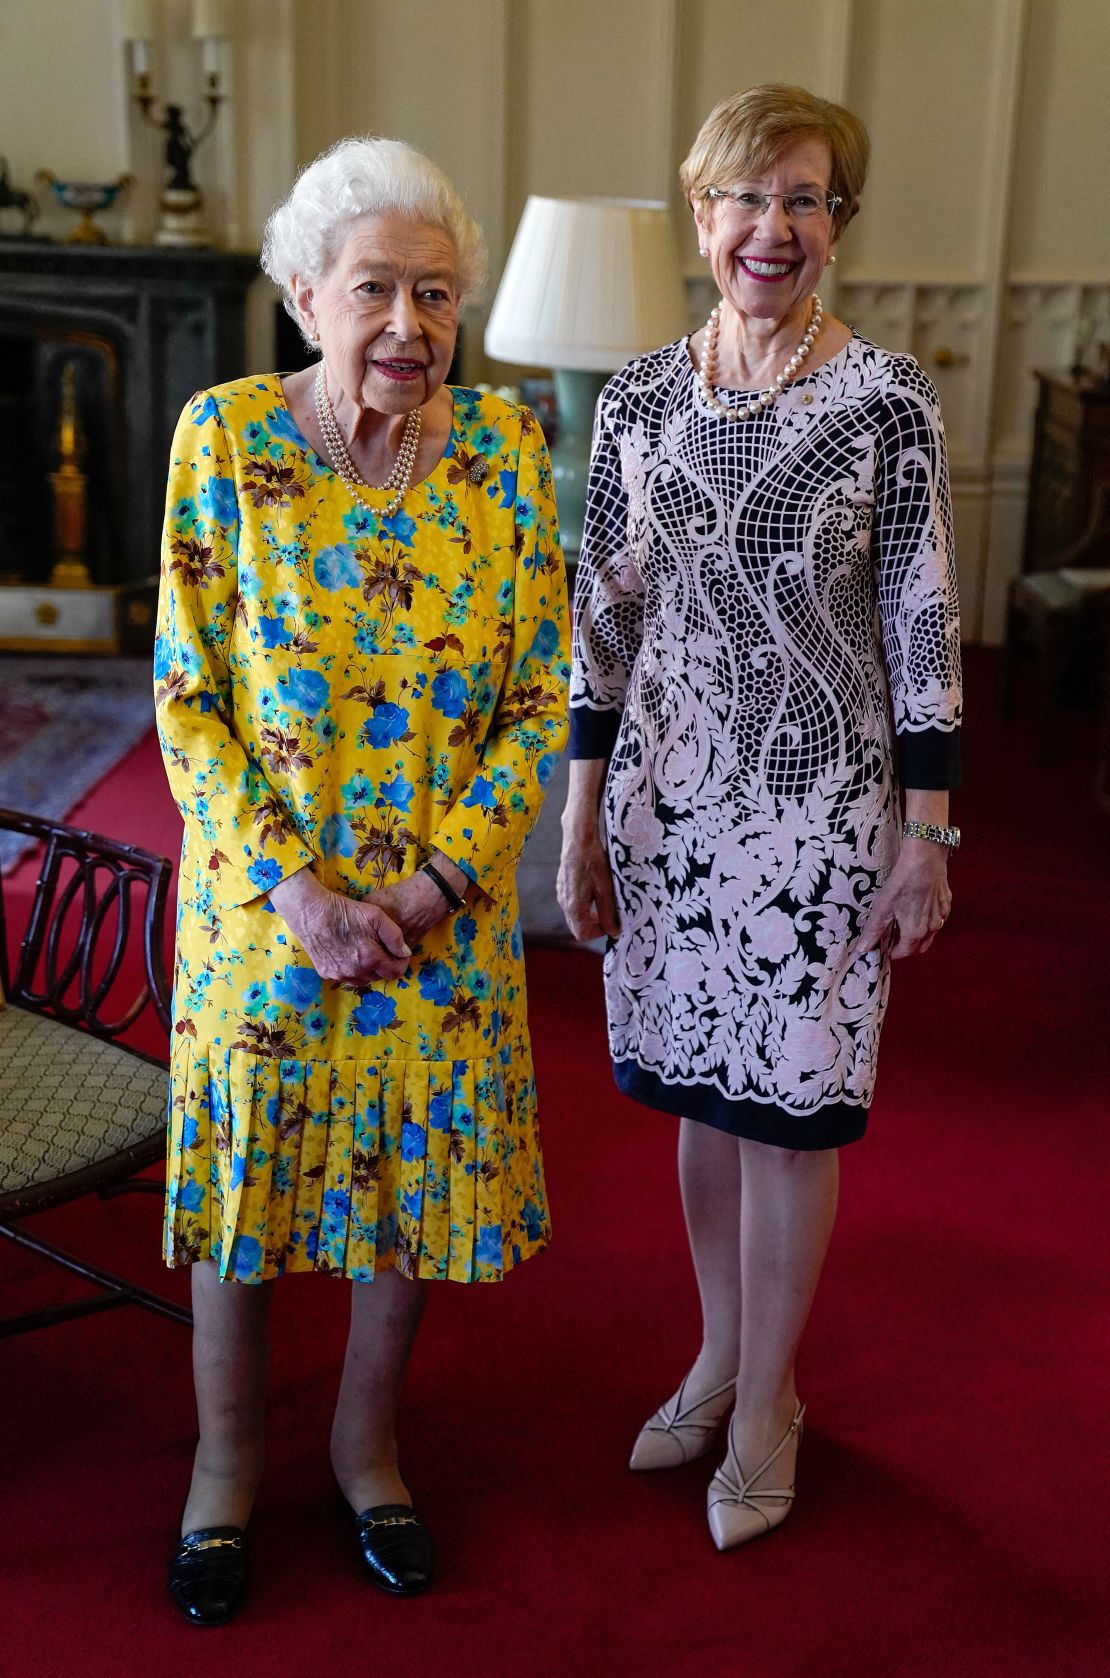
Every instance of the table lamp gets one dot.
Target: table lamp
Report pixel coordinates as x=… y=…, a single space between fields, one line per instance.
x=590 y=282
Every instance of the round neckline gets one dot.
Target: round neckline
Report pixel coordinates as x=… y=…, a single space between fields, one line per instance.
x=752 y=391
x=302 y=442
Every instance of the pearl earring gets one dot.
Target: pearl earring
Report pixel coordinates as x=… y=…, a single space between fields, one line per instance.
x=702 y=251
x=832 y=256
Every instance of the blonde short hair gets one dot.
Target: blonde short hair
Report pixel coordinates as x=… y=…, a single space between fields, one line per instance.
x=746 y=133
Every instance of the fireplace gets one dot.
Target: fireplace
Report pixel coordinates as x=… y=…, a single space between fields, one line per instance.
x=128 y=335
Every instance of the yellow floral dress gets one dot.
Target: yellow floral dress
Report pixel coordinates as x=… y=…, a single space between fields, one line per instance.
x=348 y=691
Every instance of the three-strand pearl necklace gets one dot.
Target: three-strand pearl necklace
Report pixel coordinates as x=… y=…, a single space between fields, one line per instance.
x=400 y=476
x=707 y=369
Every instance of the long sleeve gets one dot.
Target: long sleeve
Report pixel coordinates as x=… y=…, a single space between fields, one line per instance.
x=608 y=599
x=918 y=606
x=484 y=829
x=222 y=794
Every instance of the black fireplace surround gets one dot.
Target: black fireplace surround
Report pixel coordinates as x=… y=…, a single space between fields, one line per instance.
x=144 y=328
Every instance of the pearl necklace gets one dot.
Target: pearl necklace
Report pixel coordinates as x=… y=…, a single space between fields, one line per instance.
x=707 y=369
x=400 y=476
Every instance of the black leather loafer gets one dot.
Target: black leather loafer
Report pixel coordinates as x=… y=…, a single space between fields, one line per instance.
x=396 y=1547
x=208 y=1575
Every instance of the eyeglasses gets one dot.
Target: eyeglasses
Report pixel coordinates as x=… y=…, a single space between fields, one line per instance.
x=797 y=205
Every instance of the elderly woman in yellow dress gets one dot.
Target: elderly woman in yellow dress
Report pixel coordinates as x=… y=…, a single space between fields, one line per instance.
x=360 y=680
x=766 y=659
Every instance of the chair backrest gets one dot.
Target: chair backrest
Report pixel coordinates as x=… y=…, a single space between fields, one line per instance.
x=72 y=961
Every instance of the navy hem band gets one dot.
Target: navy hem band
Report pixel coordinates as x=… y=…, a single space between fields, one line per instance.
x=592 y=733
x=929 y=761
x=755 y=1121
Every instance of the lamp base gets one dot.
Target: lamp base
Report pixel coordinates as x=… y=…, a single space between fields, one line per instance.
x=576 y=393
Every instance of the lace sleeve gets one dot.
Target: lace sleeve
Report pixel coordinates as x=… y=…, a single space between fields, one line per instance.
x=608 y=599
x=918 y=604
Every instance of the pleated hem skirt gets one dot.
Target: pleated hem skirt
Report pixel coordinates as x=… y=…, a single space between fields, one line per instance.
x=349 y=1167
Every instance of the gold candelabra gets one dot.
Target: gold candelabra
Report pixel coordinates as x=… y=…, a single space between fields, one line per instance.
x=70 y=487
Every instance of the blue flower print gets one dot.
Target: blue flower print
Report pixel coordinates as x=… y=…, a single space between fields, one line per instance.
x=337 y=567
x=263 y=873
x=450 y=693
x=192 y=1197
x=274 y=632
x=466 y=930
x=411 y=1202
x=358 y=792
x=336 y=1203
x=545 y=642
x=376 y=1012
x=257 y=436
x=481 y=986
x=397 y=792
x=482 y=794
x=436 y=983
x=361 y=522
x=250 y=583
x=337 y=838
x=208 y=410
x=246 y=1257
x=190 y=1132
x=304 y=690
x=283 y=425
x=488 y=1249
x=299 y=986
x=386 y=726
x=505 y=595
x=506 y=483
x=163 y=657
x=440 y=1107
x=532 y=1219
x=414 y=1141
x=545 y=767
x=402 y=527
x=217 y=501
x=238 y=1170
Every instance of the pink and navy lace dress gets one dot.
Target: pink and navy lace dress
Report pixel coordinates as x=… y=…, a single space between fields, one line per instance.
x=766 y=642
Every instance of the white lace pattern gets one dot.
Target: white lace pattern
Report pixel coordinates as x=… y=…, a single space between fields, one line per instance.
x=759 y=608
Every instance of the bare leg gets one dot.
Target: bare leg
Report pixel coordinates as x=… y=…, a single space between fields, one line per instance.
x=385 y=1315
x=230 y=1363
x=709 y=1175
x=788 y=1210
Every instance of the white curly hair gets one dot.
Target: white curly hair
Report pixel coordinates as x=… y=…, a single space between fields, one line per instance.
x=365 y=176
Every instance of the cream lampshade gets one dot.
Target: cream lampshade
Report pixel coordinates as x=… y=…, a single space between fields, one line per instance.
x=590 y=282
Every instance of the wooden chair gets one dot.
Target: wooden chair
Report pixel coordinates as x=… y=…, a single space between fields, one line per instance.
x=78 y=1110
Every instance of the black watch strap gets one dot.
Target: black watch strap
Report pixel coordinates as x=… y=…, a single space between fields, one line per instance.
x=449 y=892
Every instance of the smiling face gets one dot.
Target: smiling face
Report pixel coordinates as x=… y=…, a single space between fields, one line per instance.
x=386 y=312
x=767 y=265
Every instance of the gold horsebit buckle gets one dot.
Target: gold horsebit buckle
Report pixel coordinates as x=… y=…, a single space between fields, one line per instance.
x=217 y=1544
x=390 y=1521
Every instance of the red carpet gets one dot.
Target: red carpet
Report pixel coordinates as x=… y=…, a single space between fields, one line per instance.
x=952 y=1513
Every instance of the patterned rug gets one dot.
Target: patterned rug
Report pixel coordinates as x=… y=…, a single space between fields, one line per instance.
x=64 y=723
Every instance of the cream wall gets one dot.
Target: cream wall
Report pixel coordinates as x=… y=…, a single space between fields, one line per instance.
x=984 y=239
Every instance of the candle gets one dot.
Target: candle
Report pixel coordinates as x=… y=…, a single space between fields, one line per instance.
x=138 y=19
x=211 y=20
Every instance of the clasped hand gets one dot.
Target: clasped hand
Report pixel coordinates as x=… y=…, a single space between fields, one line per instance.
x=354 y=942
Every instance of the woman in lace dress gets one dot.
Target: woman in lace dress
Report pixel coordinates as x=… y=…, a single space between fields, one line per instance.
x=766 y=658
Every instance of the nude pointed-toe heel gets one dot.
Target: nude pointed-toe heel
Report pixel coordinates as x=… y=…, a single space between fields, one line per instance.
x=738 y=1514
x=679 y=1432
